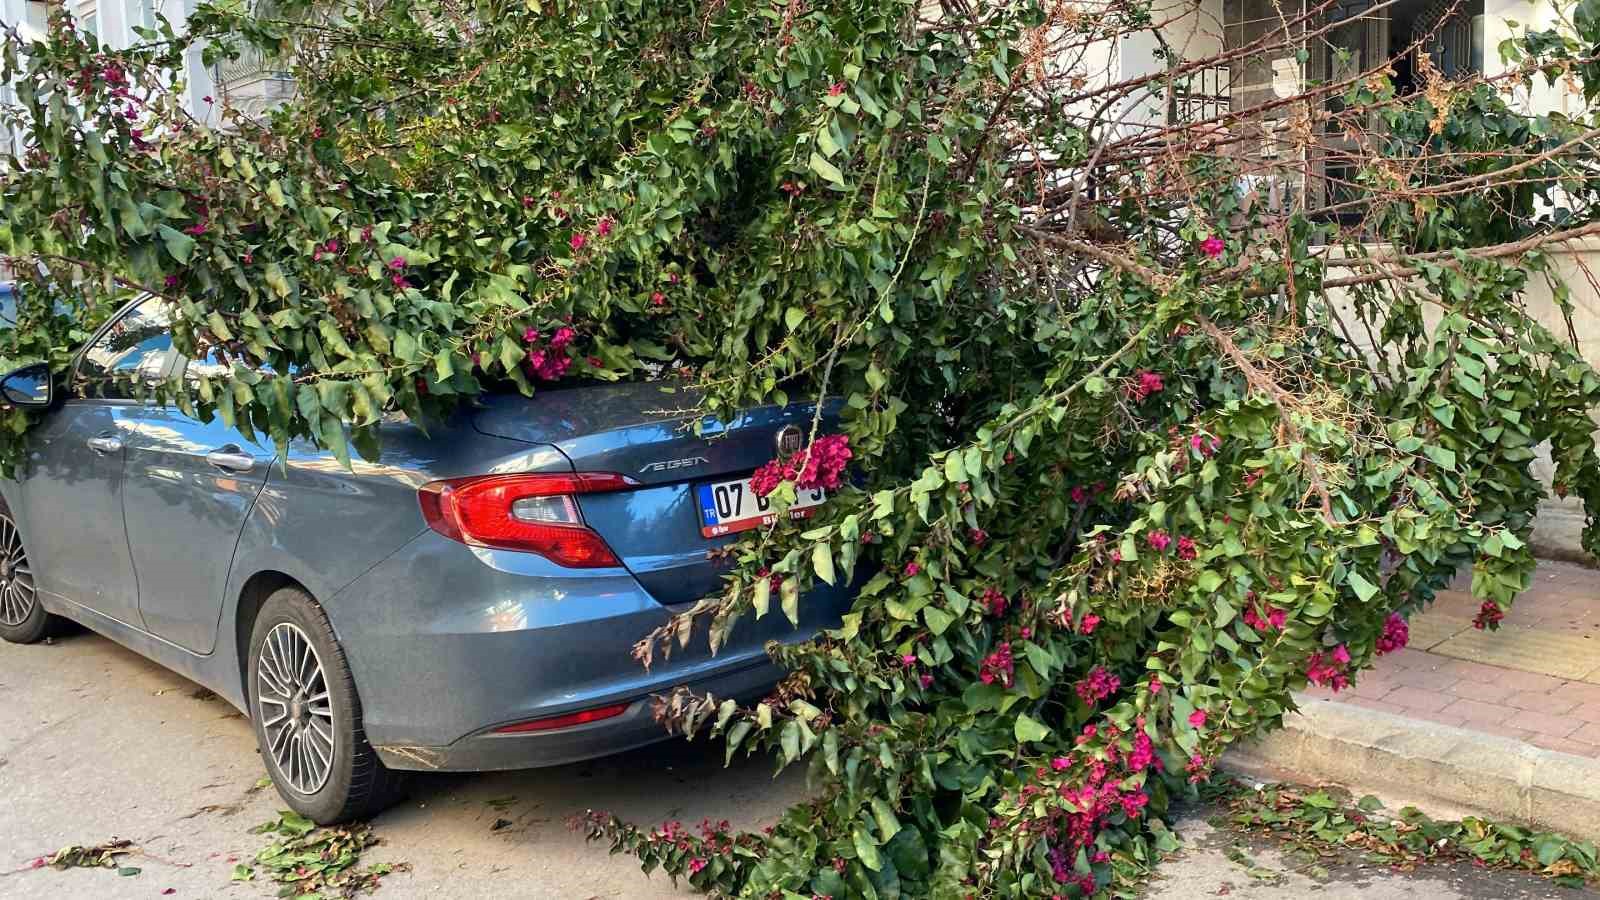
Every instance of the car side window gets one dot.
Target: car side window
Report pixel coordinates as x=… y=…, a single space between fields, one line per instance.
x=138 y=345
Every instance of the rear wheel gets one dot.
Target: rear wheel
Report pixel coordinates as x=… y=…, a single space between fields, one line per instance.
x=22 y=618
x=307 y=715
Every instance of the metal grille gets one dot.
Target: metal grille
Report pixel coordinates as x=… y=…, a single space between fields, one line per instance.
x=1452 y=42
x=1200 y=95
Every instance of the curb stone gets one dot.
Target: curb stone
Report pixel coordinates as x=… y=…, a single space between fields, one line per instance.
x=1420 y=762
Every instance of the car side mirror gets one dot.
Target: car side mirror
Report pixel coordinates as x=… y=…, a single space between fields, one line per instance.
x=30 y=387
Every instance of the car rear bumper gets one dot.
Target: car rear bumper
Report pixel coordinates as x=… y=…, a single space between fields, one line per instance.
x=448 y=643
x=488 y=751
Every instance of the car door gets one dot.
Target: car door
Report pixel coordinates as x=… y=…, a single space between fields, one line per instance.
x=72 y=484
x=187 y=487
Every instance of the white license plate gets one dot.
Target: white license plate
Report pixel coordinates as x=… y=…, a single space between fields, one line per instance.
x=730 y=506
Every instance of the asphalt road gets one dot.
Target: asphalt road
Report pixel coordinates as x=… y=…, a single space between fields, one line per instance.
x=97 y=743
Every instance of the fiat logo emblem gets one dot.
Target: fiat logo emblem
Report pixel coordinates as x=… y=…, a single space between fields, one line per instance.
x=790 y=439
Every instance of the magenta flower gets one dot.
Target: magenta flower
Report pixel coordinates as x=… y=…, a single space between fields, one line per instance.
x=908 y=659
x=912 y=568
x=604 y=226
x=1198 y=718
x=578 y=240
x=1187 y=548
x=1396 y=634
x=1159 y=540
x=1212 y=246
x=398 y=263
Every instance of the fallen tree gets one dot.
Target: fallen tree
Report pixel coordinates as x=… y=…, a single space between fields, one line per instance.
x=1150 y=429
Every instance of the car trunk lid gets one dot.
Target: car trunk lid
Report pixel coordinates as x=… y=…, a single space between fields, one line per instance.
x=645 y=433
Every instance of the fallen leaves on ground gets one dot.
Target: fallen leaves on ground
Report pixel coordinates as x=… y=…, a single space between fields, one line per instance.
x=316 y=863
x=98 y=856
x=1318 y=827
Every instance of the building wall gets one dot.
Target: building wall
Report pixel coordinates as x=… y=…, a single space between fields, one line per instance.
x=113 y=23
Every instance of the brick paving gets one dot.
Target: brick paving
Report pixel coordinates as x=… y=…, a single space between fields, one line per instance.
x=1537 y=679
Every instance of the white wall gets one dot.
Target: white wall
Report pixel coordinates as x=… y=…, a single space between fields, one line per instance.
x=113 y=22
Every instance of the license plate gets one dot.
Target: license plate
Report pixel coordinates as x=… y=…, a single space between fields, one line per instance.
x=730 y=506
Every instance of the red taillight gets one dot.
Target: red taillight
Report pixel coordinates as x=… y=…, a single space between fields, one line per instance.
x=536 y=513
x=577 y=718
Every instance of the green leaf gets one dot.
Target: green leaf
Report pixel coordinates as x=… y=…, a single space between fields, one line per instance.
x=1364 y=589
x=822 y=562
x=179 y=246
x=1027 y=729
x=888 y=823
x=789 y=596
x=955 y=471
x=762 y=597
x=866 y=848
x=826 y=169
x=938 y=620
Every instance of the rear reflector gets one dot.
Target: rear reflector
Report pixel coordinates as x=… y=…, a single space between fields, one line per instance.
x=566 y=721
x=537 y=513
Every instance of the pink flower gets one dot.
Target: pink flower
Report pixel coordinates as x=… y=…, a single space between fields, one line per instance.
x=398 y=263
x=1396 y=634
x=603 y=228
x=1155 y=684
x=1489 y=616
x=1097 y=685
x=578 y=241
x=658 y=299
x=994 y=602
x=912 y=568
x=1341 y=655
x=1079 y=494
x=1198 y=718
x=1187 y=548
x=908 y=659
x=1158 y=540
x=998 y=666
x=925 y=679
x=695 y=865
x=836 y=89
x=979 y=536
x=1147 y=383
x=1088 y=623
x=1061 y=764
x=1212 y=246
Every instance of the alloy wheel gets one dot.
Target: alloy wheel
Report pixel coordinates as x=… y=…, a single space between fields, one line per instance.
x=17 y=594
x=296 y=708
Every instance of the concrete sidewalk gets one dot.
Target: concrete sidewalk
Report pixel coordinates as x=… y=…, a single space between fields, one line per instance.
x=1536 y=679
x=1504 y=723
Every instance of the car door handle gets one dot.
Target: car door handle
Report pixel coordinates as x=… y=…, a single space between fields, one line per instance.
x=105 y=445
x=230 y=459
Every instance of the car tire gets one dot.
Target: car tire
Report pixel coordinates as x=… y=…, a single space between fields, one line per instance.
x=307 y=715
x=23 y=619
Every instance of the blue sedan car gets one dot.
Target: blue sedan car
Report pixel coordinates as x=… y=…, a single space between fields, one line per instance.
x=468 y=603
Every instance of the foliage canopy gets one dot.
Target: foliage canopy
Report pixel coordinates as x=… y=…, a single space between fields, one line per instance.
x=1148 y=435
